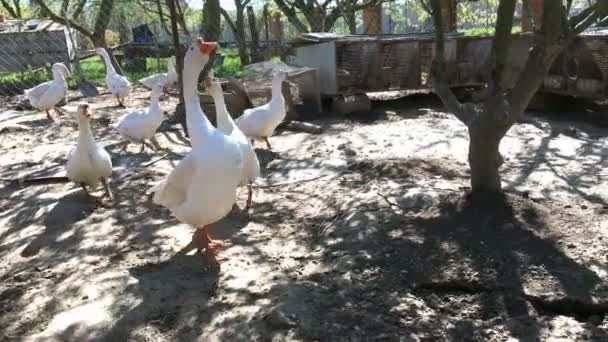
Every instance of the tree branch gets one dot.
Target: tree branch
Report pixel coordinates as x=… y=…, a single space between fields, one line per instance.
x=79 y=8
x=291 y=15
x=438 y=69
x=9 y=9
x=366 y=4
x=541 y=57
x=103 y=19
x=180 y=17
x=588 y=17
x=54 y=17
x=501 y=44
x=17 y=5
x=228 y=20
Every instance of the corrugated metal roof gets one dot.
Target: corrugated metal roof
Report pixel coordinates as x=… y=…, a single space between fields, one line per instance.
x=322 y=37
x=30 y=25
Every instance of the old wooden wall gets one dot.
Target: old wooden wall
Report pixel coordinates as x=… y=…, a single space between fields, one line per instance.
x=22 y=50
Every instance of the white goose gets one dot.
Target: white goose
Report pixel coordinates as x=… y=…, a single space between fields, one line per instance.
x=88 y=162
x=201 y=189
x=117 y=84
x=46 y=95
x=138 y=126
x=260 y=122
x=168 y=78
x=251 y=164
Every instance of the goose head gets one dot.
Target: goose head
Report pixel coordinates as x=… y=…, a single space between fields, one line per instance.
x=61 y=68
x=199 y=52
x=281 y=76
x=212 y=85
x=157 y=88
x=83 y=112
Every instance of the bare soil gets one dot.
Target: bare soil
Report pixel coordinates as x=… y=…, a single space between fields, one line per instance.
x=362 y=233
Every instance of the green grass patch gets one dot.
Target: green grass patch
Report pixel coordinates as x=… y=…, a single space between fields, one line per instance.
x=95 y=72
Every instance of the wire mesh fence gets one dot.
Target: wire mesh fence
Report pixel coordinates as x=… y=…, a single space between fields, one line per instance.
x=138 y=33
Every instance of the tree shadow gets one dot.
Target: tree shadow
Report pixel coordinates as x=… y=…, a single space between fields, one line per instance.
x=70 y=209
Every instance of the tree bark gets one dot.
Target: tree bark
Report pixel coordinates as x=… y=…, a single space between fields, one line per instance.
x=180 y=109
x=240 y=35
x=484 y=159
x=253 y=30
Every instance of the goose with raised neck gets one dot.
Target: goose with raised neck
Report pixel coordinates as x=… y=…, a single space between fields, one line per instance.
x=88 y=162
x=47 y=95
x=251 y=164
x=117 y=84
x=201 y=189
x=139 y=126
x=259 y=123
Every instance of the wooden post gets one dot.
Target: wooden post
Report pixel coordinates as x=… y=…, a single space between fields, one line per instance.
x=372 y=19
x=532 y=13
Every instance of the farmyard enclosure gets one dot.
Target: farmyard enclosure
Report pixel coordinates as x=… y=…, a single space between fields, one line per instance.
x=363 y=226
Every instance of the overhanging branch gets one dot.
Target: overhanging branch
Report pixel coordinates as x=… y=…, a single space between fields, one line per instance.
x=63 y=21
x=291 y=15
x=438 y=69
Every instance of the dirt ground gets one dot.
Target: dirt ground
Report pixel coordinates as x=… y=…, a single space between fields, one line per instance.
x=361 y=233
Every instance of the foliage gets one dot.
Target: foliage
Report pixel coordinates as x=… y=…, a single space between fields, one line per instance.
x=230 y=68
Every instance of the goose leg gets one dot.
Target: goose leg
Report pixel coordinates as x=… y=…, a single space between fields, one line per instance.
x=58 y=111
x=149 y=145
x=48 y=115
x=249 y=196
x=252 y=142
x=268 y=143
x=120 y=104
x=98 y=201
x=143 y=147
x=203 y=240
x=154 y=143
x=106 y=187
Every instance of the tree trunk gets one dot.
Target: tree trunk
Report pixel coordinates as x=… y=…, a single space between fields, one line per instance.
x=180 y=110
x=212 y=17
x=253 y=30
x=485 y=159
x=350 y=17
x=241 y=37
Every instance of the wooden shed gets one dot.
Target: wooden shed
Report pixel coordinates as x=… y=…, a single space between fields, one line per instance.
x=365 y=64
x=33 y=43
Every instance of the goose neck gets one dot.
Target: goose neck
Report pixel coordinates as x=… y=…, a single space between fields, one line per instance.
x=277 y=88
x=108 y=62
x=199 y=126
x=224 y=121
x=85 y=135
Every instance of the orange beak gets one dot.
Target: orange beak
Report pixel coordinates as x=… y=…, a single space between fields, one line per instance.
x=206 y=47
